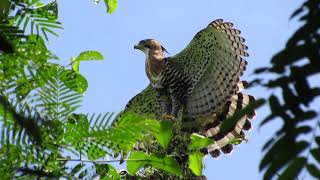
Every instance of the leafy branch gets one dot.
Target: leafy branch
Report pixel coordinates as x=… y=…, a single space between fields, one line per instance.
x=295 y=145
x=40 y=17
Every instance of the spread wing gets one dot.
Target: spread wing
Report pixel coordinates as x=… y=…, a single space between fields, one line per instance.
x=145 y=103
x=213 y=61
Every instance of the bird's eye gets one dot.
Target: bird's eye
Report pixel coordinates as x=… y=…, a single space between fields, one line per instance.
x=147 y=46
x=142 y=42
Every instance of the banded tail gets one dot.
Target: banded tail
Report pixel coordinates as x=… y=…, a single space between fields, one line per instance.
x=236 y=103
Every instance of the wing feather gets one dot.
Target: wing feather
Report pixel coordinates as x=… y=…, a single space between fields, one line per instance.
x=213 y=60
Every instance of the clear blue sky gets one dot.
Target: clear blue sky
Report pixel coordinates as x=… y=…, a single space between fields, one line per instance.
x=264 y=24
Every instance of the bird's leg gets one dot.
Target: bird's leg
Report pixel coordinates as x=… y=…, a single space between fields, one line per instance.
x=165 y=103
x=177 y=99
x=177 y=102
x=176 y=105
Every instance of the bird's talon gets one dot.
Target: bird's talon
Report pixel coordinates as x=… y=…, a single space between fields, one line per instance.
x=168 y=116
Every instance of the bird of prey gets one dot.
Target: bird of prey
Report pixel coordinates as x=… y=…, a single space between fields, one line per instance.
x=201 y=83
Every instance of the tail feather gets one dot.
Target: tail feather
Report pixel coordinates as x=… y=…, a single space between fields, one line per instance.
x=236 y=103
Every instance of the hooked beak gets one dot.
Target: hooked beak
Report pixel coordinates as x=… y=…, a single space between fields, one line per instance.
x=137 y=46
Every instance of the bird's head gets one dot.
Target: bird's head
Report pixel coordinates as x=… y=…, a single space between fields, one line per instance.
x=148 y=45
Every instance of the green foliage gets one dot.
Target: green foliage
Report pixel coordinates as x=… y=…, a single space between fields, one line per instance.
x=38 y=99
x=138 y=160
x=293 y=168
x=294 y=146
x=33 y=123
x=94 y=139
x=107 y=171
x=94 y=136
x=85 y=56
x=164 y=134
x=136 y=128
x=4 y=8
x=111 y=5
x=232 y=121
x=38 y=103
x=75 y=81
x=42 y=18
x=17 y=115
x=313 y=170
x=235 y=141
x=195 y=157
x=198 y=142
x=56 y=98
x=195 y=163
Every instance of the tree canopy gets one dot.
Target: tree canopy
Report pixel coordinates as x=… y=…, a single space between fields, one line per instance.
x=43 y=134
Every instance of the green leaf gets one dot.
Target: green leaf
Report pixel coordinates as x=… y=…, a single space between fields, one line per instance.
x=135 y=128
x=89 y=55
x=77 y=168
x=165 y=163
x=75 y=65
x=85 y=56
x=111 y=5
x=230 y=123
x=4 y=8
x=164 y=136
x=49 y=10
x=107 y=171
x=316 y=154
x=195 y=163
x=235 y=141
x=313 y=170
x=198 y=142
x=74 y=80
x=318 y=140
x=137 y=160
x=24 y=87
x=293 y=169
x=278 y=157
x=94 y=152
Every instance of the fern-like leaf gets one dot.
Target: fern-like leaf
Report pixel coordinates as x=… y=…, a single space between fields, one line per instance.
x=40 y=19
x=57 y=101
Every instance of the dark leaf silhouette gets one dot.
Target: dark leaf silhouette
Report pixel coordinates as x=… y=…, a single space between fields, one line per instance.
x=287 y=152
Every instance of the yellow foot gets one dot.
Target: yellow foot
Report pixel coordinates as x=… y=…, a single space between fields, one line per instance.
x=168 y=116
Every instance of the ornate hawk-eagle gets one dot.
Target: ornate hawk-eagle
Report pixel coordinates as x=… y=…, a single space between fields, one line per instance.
x=202 y=83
